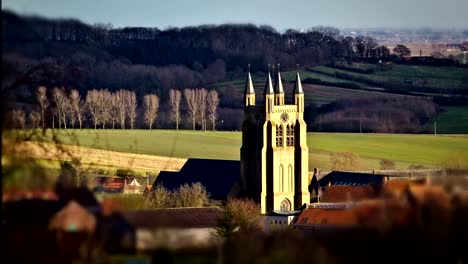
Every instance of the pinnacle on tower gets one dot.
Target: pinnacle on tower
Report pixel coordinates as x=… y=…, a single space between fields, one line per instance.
x=249 y=92
x=279 y=83
x=298 y=86
x=269 y=84
x=249 y=88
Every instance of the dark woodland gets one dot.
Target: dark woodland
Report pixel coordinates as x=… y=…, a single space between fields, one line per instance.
x=74 y=55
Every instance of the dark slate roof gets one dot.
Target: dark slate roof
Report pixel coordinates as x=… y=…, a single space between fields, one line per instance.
x=351 y=178
x=169 y=179
x=174 y=217
x=218 y=176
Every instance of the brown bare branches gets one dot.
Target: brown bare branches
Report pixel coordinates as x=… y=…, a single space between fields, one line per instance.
x=151 y=102
x=191 y=99
x=174 y=98
x=201 y=103
x=110 y=108
x=41 y=95
x=62 y=105
x=35 y=119
x=16 y=118
x=78 y=108
x=121 y=102
x=114 y=109
x=104 y=106
x=131 y=107
x=92 y=101
x=213 y=102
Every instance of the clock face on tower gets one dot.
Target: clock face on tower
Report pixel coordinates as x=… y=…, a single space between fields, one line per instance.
x=284 y=117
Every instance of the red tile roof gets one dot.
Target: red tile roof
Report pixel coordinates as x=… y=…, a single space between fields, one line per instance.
x=396 y=187
x=320 y=216
x=113 y=182
x=381 y=212
x=343 y=193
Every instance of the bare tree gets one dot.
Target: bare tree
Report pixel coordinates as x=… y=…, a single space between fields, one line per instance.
x=105 y=102
x=34 y=119
x=191 y=99
x=17 y=118
x=132 y=105
x=41 y=95
x=213 y=102
x=201 y=103
x=121 y=101
x=194 y=195
x=151 y=102
x=114 y=109
x=174 y=97
x=61 y=104
x=74 y=99
x=77 y=108
x=162 y=197
x=92 y=101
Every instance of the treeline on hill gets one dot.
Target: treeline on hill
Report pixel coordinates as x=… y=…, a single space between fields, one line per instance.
x=149 y=61
x=68 y=53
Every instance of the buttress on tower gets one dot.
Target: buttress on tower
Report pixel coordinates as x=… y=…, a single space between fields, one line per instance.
x=274 y=153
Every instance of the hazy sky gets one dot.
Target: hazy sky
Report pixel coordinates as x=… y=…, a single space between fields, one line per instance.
x=297 y=14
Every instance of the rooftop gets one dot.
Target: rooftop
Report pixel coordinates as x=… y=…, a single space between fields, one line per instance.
x=174 y=217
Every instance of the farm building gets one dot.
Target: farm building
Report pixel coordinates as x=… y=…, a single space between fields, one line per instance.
x=117 y=185
x=218 y=176
x=173 y=228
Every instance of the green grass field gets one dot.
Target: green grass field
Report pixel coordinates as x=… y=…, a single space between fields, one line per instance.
x=316 y=94
x=452 y=120
x=437 y=77
x=405 y=150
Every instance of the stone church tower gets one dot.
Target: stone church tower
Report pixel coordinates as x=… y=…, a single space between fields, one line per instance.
x=274 y=153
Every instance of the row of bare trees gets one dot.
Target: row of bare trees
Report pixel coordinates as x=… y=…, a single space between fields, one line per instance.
x=105 y=107
x=201 y=105
x=108 y=109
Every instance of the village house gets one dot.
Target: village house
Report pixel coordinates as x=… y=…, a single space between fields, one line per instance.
x=173 y=228
x=117 y=185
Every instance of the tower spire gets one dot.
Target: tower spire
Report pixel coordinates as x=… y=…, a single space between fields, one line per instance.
x=279 y=82
x=269 y=83
x=249 y=88
x=298 y=85
x=279 y=91
x=298 y=94
x=249 y=92
x=269 y=93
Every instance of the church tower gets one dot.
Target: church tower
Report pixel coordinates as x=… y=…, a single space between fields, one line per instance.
x=274 y=153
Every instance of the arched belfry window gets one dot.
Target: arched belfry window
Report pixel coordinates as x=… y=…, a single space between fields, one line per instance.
x=290 y=135
x=279 y=135
x=285 y=205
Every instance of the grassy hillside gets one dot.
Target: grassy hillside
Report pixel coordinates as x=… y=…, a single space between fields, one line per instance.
x=316 y=94
x=405 y=150
x=452 y=120
x=437 y=77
